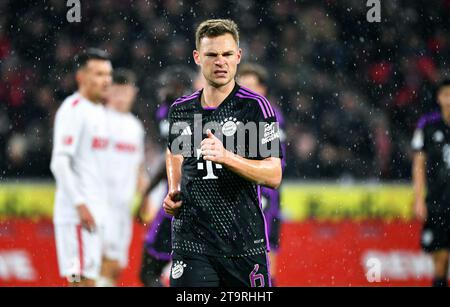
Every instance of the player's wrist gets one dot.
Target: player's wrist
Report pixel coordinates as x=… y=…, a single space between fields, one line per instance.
x=174 y=189
x=228 y=157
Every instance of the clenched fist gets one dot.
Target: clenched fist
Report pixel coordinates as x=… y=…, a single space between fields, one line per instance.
x=212 y=149
x=172 y=203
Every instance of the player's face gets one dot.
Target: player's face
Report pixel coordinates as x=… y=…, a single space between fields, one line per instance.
x=218 y=58
x=122 y=96
x=444 y=98
x=251 y=82
x=96 y=78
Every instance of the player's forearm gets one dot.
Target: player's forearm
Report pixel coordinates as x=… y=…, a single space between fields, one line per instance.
x=66 y=179
x=266 y=172
x=142 y=180
x=173 y=166
x=419 y=178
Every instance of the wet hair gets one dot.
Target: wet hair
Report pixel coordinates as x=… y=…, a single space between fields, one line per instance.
x=85 y=56
x=256 y=70
x=215 y=28
x=123 y=76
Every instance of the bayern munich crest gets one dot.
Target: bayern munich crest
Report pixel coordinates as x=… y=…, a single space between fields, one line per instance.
x=229 y=126
x=178 y=269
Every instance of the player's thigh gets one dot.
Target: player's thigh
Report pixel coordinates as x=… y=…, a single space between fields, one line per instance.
x=125 y=238
x=112 y=235
x=252 y=271
x=192 y=271
x=68 y=251
x=78 y=251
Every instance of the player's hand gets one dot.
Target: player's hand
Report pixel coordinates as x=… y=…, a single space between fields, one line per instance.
x=420 y=210
x=172 y=202
x=212 y=149
x=86 y=218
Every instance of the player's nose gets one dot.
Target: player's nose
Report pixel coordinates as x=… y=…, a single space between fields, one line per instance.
x=220 y=61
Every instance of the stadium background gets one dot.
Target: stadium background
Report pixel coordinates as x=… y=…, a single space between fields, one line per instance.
x=351 y=92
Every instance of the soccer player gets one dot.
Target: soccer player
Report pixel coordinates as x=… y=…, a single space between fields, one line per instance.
x=157 y=246
x=256 y=78
x=223 y=144
x=173 y=82
x=79 y=162
x=126 y=174
x=431 y=172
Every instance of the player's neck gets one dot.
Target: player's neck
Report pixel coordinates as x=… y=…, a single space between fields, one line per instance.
x=117 y=109
x=214 y=96
x=85 y=95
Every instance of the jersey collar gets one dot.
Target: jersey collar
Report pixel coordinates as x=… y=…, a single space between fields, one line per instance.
x=225 y=101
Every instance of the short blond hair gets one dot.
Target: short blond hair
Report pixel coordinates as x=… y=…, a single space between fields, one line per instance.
x=214 y=28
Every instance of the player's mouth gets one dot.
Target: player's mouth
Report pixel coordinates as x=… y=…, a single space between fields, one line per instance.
x=220 y=73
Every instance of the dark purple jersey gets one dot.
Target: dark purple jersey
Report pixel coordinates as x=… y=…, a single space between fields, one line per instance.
x=221 y=213
x=432 y=136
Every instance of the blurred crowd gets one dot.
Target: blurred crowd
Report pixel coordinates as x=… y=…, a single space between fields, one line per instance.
x=351 y=91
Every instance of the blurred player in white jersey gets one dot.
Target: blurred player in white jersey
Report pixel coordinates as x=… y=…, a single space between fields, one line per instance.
x=126 y=173
x=79 y=158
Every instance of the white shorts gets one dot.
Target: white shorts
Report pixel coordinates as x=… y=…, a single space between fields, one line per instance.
x=118 y=231
x=78 y=251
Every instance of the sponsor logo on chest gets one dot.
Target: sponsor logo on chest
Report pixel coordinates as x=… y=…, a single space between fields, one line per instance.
x=125 y=147
x=99 y=143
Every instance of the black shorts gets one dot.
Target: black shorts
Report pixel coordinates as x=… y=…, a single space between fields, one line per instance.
x=436 y=229
x=206 y=271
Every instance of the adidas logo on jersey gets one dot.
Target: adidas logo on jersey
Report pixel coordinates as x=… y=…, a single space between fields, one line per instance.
x=187 y=131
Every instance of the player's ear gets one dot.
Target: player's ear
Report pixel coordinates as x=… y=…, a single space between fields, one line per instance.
x=196 y=55
x=239 y=55
x=79 y=76
x=135 y=91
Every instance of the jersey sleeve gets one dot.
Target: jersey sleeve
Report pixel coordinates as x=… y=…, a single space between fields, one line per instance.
x=269 y=132
x=179 y=133
x=66 y=178
x=170 y=136
x=67 y=130
x=66 y=137
x=141 y=143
